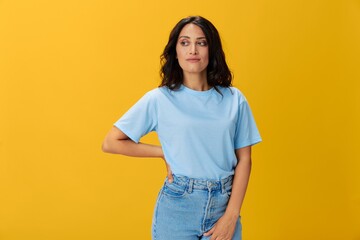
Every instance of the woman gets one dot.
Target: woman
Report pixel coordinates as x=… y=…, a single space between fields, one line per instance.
x=206 y=130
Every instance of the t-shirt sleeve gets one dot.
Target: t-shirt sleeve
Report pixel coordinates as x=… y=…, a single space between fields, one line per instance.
x=140 y=119
x=246 y=133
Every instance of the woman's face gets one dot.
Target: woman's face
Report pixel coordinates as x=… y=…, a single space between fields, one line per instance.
x=192 y=49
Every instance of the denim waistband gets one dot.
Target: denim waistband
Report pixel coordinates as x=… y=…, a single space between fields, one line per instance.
x=202 y=184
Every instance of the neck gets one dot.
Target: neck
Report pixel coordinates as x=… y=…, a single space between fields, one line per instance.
x=196 y=81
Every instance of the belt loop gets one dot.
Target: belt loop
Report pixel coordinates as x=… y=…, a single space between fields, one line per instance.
x=190 y=187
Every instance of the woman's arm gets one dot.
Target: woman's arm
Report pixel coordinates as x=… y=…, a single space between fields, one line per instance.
x=240 y=182
x=225 y=226
x=117 y=142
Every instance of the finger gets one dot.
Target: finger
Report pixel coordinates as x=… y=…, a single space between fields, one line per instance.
x=208 y=233
x=170 y=177
x=214 y=237
x=169 y=174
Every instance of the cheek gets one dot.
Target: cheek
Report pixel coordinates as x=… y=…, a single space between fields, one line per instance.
x=179 y=53
x=179 y=50
x=206 y=55
x=206 y=58
x=180 y=58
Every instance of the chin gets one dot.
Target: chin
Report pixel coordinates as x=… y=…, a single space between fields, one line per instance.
x=194 y=71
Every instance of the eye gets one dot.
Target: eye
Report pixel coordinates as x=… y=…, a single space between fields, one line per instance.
x=202 y=43
x=184 y=43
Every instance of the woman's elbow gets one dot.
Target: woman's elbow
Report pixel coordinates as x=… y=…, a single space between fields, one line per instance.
x=113 y=142
x=107 y=146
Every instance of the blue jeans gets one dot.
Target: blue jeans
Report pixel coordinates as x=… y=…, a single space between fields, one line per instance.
x=187 y=208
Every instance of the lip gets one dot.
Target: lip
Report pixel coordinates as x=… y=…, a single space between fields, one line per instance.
x=193 y=59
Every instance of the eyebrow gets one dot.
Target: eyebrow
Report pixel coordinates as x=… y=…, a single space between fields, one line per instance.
x=189 y=37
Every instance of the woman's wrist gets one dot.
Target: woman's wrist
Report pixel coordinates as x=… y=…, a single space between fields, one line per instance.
x=232 y=213
x=160 y=152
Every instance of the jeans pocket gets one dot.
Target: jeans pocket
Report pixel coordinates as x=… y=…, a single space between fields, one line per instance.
x=174 y=189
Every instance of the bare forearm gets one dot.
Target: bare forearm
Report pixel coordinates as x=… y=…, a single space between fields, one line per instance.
x=118 y=143
x=240 y=183
x=130 y=148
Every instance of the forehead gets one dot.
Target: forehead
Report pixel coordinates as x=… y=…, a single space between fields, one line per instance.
x=191 y=30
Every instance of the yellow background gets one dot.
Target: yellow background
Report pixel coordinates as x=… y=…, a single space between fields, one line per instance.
x=70 y=68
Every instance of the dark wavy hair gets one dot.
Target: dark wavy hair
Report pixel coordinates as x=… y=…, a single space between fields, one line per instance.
x=218 y=73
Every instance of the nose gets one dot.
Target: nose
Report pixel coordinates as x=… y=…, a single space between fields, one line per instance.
x=193 y=49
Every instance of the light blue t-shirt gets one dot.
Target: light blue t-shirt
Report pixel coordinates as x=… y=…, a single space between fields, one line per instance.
x=198 y=130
